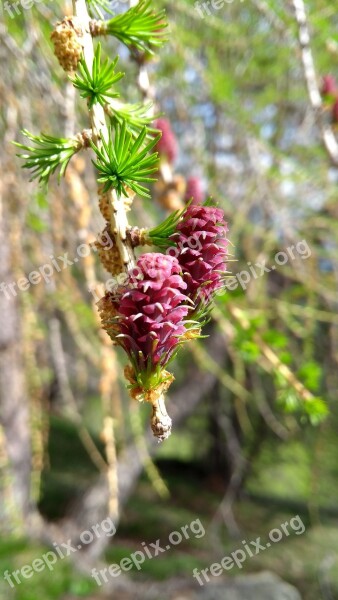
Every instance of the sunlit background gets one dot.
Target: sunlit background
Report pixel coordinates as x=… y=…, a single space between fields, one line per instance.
x=254 y=403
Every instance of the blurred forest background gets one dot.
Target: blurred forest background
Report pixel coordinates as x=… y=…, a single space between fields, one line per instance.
x=254 y=404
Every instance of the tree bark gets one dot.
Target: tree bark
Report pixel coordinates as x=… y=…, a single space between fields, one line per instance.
x=14 y=410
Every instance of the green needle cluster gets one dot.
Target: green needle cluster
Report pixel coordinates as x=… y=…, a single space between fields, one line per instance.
x=140 y=27
x=47 y=154
x=136 y=117
x=126 y=159
x=96 y=86
x=160 y=235
x=123 y=162
x=97 y=6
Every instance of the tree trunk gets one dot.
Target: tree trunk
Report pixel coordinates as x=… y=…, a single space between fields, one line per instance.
x=14 y=410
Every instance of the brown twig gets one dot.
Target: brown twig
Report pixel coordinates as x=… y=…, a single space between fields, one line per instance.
x=270 y=358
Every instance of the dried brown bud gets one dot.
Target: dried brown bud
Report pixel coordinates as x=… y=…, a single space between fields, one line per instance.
x=67 y=40
x=139 y=237
x=108 y=311
x=97 y=27
x=108 y=252
x=171 y=200
x=84 y=138
x=170 y=193
x=104 y=203
x=179 y=183
x=161 y=423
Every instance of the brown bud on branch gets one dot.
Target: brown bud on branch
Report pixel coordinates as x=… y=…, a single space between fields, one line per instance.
x=67 y=40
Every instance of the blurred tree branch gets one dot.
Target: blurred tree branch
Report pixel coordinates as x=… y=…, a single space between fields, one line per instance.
x=328 y=136
x=14 y=406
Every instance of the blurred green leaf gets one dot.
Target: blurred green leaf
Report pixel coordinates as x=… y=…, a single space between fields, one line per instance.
x=311 y=373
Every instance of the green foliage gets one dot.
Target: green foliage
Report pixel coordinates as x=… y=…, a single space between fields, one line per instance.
x=314 y=409
x=147 y=378
x=275 y=338
x=15 y=553
x=160 y=234
x=136 y=117
x=98 y=7
x=48 y=154
x=257 y=102
x=140 y=27
x=95 y=86
x=202 y=315
x=36 y=213
x=311 y=373
x=249 y=351
x=124 y=162
x=36 y=223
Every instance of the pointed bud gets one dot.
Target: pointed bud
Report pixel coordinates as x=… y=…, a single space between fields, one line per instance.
x=335 y=112
x=201 y=249
x=329 y=86
x=167 y=145
x=194 y=191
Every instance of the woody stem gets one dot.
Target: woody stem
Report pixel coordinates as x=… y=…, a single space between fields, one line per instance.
x=118 y=217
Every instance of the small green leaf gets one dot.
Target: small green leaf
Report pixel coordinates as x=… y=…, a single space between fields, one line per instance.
x=35 y=223
x=310 y=374
x=289 y=401
x=286 y=357
x=316 y=410
x=275 y=338
x=249 y=351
